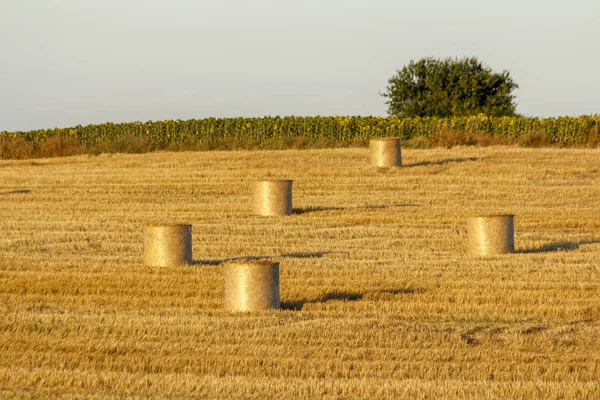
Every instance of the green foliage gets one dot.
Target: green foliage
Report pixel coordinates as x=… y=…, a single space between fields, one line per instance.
x=449 y=88
x=285 y=132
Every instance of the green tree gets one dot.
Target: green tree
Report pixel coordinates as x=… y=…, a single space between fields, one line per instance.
x=449 y=87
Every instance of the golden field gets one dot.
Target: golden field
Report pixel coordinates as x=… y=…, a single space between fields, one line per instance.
x=379 y=298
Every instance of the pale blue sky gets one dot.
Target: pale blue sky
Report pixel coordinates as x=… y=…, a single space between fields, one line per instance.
x=69 y=62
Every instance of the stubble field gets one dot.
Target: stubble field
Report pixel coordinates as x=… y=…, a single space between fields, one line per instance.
x=379 y=298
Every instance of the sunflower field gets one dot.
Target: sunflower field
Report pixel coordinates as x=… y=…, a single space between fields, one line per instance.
x=568 y=131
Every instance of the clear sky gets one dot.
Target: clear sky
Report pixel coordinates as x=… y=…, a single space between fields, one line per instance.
x=69 y=62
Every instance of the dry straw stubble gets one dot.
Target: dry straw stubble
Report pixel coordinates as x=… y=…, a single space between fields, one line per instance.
x=385 y=152
x=491 y=235
x=251 y=285
x=80 y=317
x=272 y=197
x=167 y=245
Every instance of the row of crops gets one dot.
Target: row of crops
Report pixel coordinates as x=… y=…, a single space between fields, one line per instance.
x=564 y=130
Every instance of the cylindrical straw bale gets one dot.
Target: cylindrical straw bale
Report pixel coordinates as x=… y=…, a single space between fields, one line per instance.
x=385 y=152
x=167 y=245
x=251 y=285
x=490 y=235
x=272 y=197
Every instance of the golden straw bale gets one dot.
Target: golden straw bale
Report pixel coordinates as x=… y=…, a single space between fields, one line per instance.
x=491 y=234
x=385 y=152
x=272 y=197
x=251 y=285
x=167 y=245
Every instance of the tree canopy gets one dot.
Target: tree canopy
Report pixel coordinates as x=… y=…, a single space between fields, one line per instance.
x=449 y=87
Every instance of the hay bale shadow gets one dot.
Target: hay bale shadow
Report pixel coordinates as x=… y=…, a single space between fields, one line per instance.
x=298 y=305
x=345 y=296
x=208 y=262
x=558 y=246
x=442 y=162
x=21 y=191
x=308 y=210
x=224 y=260
x=317 y=254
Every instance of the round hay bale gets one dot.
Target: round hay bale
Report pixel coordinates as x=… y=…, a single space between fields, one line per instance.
x=491 y=234
x=251 y=285
x=272 y=197
x=385 y=152
x=167 y=245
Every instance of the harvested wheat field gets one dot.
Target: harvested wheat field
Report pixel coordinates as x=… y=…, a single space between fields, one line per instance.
x=378 y=296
